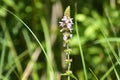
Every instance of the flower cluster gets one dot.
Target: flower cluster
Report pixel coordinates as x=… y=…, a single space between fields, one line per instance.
x=66 y=28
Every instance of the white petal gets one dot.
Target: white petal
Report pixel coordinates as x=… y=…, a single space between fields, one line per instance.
x=61 y=30
x=70 y=35
x=64 y=18
x=64 y=37
x=61 y=24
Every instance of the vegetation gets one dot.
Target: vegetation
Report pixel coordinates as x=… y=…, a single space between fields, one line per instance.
x=31 y=44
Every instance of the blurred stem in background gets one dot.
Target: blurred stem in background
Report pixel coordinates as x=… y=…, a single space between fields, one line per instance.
x=2 y=59
x=11 y=46
x=50 y=74
x=80 y=46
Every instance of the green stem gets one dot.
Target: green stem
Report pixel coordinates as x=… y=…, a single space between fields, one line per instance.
x=2 y=59
x=11 y=46
x=46 y=55
x=68 y=63
x=68 y=77
x=80 y=47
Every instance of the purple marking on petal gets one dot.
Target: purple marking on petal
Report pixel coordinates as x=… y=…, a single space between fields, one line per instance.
x=64 y=37
x=71 y=20
x=69 y=25
x=61 y=24
x=64 y=18
x=66 y=22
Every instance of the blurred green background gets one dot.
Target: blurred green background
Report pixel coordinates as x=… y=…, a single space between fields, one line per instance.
x=99 y=29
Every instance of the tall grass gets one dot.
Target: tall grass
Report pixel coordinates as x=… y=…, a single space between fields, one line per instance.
x=113 y=55
x=49 y=50
x=50 y=68
x=80 y=47
x=11 y=46
x=110 y=48
x=2 y=59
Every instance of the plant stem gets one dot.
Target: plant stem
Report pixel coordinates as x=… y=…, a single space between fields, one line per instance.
x=68 y=77
x=68 y=62
x=80 y=46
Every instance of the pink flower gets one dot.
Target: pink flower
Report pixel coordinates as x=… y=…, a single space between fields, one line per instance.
x=66 y=28
x=65 y=19
x=66 y=22
x=62 y=24
x=65 y=37
x=69 y=26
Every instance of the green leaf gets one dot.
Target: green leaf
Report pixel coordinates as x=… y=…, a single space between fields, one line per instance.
x=81 y=17
x=73 y=77
x=3 y=12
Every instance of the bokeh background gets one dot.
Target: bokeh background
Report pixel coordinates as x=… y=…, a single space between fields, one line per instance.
x=98 y=24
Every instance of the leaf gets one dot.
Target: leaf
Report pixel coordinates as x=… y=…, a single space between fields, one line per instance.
x=73 y=77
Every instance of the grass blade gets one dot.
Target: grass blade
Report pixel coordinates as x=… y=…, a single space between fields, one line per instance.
x=2 y=59
x=49 y=49
x=80 y=48
x=48 y=60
